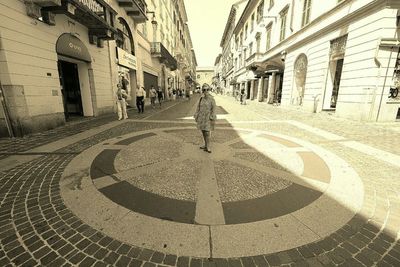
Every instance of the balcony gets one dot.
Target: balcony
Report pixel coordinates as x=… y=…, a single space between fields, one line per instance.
x=97 y=16
x=252 y=58
x=159 y=51
x=135 y=8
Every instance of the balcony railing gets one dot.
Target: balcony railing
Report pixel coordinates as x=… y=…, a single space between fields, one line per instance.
x=97 y=15
x=158 y=50
x=135 y=8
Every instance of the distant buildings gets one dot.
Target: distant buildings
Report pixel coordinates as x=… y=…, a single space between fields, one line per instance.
x=339 y=56
x=204 y=75
x=63 y=59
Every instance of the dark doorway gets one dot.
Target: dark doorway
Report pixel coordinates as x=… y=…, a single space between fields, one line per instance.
x=71 y=91
x=248 y=90
x=336 y=82
x=149 y=80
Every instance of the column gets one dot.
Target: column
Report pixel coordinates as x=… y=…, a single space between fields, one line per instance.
x=260 y=93
x=251 y=89
x=271 y=91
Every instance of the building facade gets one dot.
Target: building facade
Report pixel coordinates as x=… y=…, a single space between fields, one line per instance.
x=204 y=75
x=61 y=59
x=340 y=57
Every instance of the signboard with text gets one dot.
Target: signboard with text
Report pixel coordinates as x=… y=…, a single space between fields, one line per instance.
x=126 y=59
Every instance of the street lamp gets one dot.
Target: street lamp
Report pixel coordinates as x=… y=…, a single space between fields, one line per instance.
x=154 y=23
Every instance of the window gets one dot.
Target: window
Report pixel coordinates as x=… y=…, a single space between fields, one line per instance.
x=252 y=22
x=282 y=34
x=125 y=41
x=306 y=13
x=241 y=38
x=245 y=53
x=250 y=48
x=260 y=11
x=258 y=41
x=271 y=4
x=246 y=28
x=268 y=36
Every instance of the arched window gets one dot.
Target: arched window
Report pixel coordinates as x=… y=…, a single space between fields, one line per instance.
x=300 y=73
x=125 y=38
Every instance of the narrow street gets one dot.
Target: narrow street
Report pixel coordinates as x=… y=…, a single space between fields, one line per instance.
x=282 y=187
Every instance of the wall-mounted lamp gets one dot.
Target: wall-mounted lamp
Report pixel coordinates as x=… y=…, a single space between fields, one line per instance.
x=283 y=55
x=153 y=19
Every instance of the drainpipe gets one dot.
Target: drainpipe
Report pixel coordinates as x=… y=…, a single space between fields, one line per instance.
x=6 y=112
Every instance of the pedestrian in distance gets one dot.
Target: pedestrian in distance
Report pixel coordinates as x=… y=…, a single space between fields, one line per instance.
x=159 y=95
x=242 y=97
x=205 y=116
x=153 y=95
x=140 y=95
x=121 y=102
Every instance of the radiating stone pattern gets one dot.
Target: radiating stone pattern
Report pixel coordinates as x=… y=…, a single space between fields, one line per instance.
x=147 y=151
x=260 y=159
x=237 y=182
x=177 y=181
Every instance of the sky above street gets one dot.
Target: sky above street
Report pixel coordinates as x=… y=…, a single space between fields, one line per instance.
x=207 y=20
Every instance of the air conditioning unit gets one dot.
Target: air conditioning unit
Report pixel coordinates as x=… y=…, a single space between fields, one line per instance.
x=48 y=18
x=33 y=10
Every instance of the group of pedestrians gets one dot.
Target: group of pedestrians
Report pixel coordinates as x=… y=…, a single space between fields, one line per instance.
x=205 y=115
x=122 y=95
x=155 y=94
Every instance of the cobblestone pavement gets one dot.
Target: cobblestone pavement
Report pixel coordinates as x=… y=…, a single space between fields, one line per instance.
x=38 y=229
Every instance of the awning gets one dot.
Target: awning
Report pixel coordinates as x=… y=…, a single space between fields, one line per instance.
x=70 y=46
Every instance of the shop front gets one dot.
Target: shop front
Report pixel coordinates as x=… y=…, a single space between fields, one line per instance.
x=127 y=66
x=74 y=63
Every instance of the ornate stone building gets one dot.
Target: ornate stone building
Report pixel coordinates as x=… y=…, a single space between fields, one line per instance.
x=340 y=57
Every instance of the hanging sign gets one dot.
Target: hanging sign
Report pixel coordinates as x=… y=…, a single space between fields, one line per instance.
x=126 y=59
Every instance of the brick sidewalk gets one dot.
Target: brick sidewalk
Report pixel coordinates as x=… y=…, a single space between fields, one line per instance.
x=10 y=146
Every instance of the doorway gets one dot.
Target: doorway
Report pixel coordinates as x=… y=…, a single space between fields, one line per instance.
x=248 y=90
x=70 y=88
x=333 y=84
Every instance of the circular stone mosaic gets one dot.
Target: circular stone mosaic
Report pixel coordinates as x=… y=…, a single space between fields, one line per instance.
x=254 y=186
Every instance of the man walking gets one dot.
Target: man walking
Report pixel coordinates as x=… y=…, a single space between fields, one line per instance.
x=140 y=95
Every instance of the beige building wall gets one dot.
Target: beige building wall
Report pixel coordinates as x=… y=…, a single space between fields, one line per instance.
x=29 y=72
x=368 y=62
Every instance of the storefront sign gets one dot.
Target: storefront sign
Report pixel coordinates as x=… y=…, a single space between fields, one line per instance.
x=70 y=46
x=126 y=59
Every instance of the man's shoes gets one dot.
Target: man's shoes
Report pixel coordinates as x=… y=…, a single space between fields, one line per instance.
x=207 y=150
x=203 y=147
